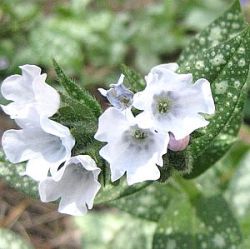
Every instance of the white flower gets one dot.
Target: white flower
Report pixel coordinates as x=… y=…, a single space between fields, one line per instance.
x=130 y=148
x=76 y=183
x=118 y=95
x=29 y=90
x=172 y=103
x=44 y=143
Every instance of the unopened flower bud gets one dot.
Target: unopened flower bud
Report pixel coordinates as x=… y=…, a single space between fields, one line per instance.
x=178 y=145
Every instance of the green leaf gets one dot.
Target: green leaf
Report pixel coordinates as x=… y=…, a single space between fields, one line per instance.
x=246 y=243
x=238 y=189
x=218 y=178
x=208 y=223
x=73 y=111
x=10 y=240
x=135 y=81
x=11 y=174
x=226 y=67
x=222 y=29
x=112 y=191
x=113 y=231
x=76 y=92
x=219 y=54
x=149 y=203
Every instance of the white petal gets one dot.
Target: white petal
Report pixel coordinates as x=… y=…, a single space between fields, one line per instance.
x=139 y=100
x=86 y=161
x=21 y=145
x=162 y=81
x=30 y=71
x=27 y=91
x=39 y=145
x=31 y=120
x=47 y=99
x=111 y=120
x=146 y=173
x=116 y=173
x=121 y=79
x=124 y=158
x=75 y=183
x=48 y=190
x=182 y=127
x=161 y=146
x=203 y=87
x=54 y=128
x=16 y=88
x=38 y=168
x=169 y=66
x=72 y=208
x=145 y=120
x=11 y=110
x=168 y=80
x=61 y=151
x=102 y=91
x=195 y=99
x=187 y=100
x=139 y=167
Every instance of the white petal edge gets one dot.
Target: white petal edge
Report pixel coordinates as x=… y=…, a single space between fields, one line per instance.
x=47 y=99
x=111 y=120
x=49 y=189
x=169 y=66
x=148 y=173
x=31 y=70
x=205 y=90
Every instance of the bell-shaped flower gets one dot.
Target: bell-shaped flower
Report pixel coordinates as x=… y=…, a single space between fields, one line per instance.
x=118 y=95
x=44 y=143
x=76 y=183
x=130 y=148
x=172 y=103
x=29 y=90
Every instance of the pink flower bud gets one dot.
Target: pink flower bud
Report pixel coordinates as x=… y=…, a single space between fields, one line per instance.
x=178 y=145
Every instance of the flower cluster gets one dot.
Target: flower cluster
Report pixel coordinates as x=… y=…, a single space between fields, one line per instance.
x=46 y=144
x=170 y=108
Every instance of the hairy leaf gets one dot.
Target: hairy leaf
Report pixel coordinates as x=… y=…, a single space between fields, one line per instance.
x=135 y=81
x=77 y=92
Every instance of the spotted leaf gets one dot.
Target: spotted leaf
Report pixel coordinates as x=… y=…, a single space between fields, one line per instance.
x=226 y=66
x=225 y=27
x=207 y=224
x=149 y=203
x=11 y=174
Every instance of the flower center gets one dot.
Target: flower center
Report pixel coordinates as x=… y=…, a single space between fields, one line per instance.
x=164 y=106
x=140 y=134
x=126 y=101
x=139 y=139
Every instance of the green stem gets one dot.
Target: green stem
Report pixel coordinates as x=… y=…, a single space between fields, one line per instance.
x=189 y=187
